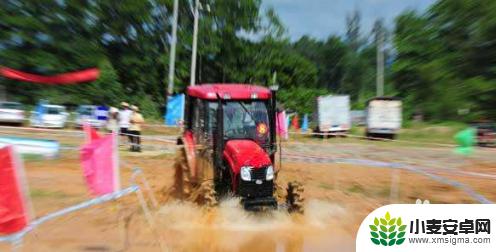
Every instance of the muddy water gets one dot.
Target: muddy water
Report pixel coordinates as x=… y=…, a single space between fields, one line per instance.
x=186 y=227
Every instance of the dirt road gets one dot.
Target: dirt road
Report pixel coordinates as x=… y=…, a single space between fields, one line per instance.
x=338 y=197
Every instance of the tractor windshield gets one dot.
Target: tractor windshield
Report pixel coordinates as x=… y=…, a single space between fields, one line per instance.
x=245 y=120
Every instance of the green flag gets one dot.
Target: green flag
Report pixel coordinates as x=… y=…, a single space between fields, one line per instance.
x=465 y=140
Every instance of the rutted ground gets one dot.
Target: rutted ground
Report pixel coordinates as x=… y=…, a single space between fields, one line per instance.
x=338 y=197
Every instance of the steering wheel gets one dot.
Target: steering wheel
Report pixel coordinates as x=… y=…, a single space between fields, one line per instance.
x=233 y=131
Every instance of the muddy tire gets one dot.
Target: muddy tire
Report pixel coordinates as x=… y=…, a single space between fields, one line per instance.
x=206 y=195
x=186 y=189
x=295 y=198
x=182 y=176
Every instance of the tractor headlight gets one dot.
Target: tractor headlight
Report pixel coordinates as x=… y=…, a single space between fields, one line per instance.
x=246 y=173
x=270 y=173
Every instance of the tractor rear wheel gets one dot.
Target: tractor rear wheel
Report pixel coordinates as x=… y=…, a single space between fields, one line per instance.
x=182 y=176
x=185 y=187
x=295 y=198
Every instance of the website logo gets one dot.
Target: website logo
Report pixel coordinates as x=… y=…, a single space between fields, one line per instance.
x=387 y=231
x=429 y=227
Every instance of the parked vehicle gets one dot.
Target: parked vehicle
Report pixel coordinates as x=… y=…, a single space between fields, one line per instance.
x=383 y=117
x=486 y=133
x=333 y=114
x=89 y=114
x=49 y=116
x=12 y=112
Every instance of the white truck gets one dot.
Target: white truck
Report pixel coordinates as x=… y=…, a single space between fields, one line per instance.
x=383 y=117
x=333 y=114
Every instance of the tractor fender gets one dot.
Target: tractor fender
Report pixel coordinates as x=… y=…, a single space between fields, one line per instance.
x=189 y=148
x=243 y=152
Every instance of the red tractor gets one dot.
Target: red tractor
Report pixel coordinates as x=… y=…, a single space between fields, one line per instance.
x=229 y=148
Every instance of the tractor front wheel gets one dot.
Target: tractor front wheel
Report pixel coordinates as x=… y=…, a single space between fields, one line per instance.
x=295 y=198
x=206 y=195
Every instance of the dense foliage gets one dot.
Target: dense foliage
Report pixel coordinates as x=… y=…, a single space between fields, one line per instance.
x=445 y=65
x=441 y=61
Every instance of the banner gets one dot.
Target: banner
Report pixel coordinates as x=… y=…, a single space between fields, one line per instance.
x=66 y=78
x=175 y=110
x=39 y=112
x=13 y=202
x=99 y=164
x=33 y=146
x=101 y=113
x=304 y=124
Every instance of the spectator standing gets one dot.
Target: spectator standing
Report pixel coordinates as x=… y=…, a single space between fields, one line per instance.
x=124 y=119
x=113 y=120
x=135 y=129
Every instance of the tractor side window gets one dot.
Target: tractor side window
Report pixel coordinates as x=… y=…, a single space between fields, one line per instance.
x=210 y=121
x=211 y=117
x=198 y=119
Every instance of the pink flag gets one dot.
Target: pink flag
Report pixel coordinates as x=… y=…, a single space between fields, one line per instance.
x=282 y=128
x=99 y=163
x=90 y=133
x=13 y=201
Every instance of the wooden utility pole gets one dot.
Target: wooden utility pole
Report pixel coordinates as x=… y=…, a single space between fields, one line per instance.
x=172 y=56
x=195 y=44
x=380 y=63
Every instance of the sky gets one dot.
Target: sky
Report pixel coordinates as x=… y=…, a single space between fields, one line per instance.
x=321 y=18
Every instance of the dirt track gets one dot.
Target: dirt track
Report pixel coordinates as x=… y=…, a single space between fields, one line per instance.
x=338 y=197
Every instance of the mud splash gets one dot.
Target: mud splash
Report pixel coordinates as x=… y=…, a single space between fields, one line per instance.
x=187 y=227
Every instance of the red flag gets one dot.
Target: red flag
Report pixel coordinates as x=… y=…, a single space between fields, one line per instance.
x=65 y=78
x=13 y=203
x=99 y=164
x=90 y=133
x=295 y=122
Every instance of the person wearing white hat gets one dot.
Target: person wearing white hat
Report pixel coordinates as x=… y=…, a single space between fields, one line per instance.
x=112 y=121
x=135 y=129
x=124 y=119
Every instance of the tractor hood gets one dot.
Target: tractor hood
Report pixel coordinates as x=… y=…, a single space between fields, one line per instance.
x=239 y=153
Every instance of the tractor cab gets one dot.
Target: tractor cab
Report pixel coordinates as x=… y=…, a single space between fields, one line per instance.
x=229 y=145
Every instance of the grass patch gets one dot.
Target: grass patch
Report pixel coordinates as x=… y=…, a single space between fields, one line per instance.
x=159 y=130
x=326 y=186
x=165 y=156
x=438 y=133
x=417 y=134
x=356 y=188
x=40 y=193
x=384 y=192
x=32 y=157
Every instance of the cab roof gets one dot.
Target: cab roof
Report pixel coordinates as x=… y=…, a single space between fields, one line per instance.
x=228 y=91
